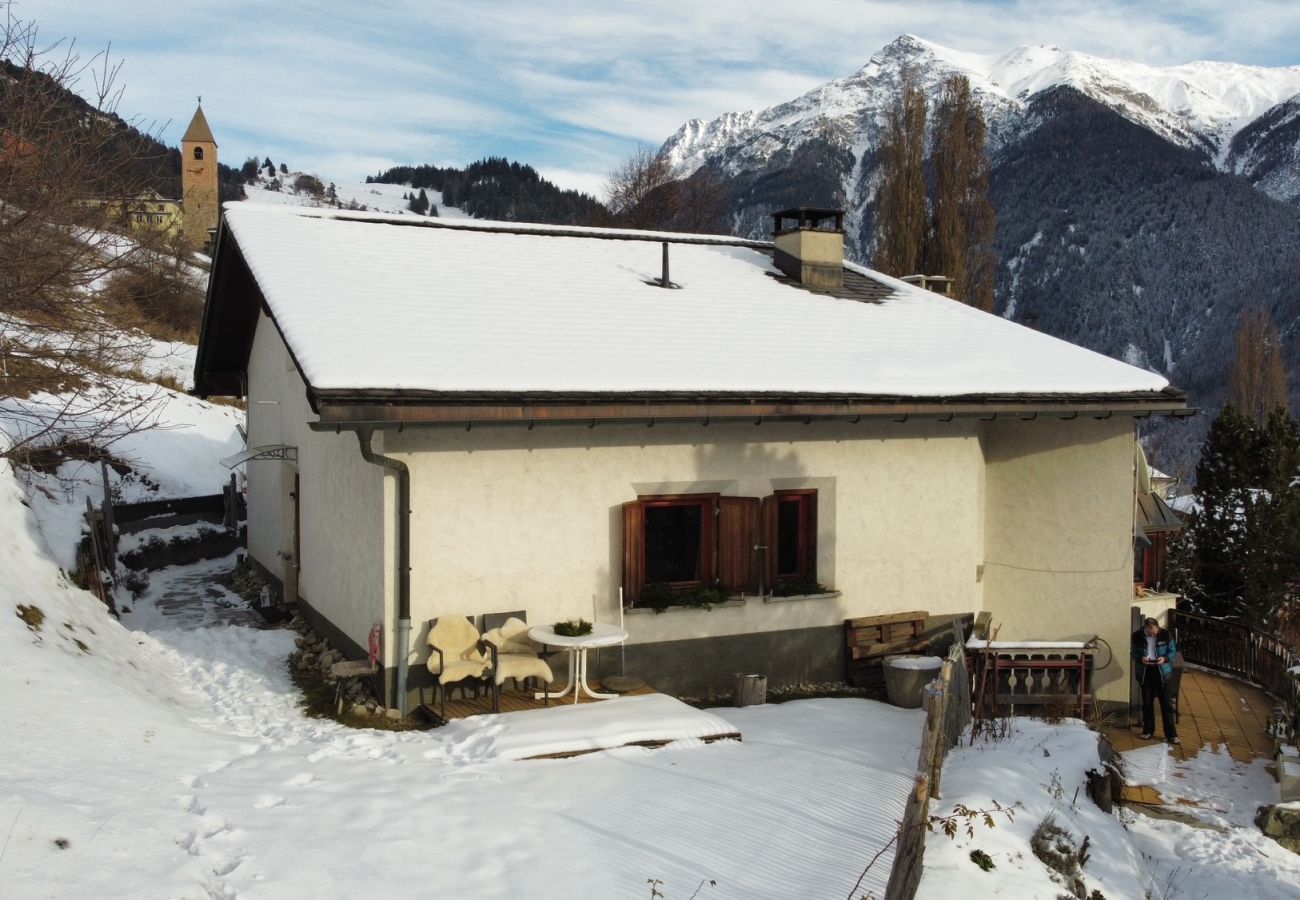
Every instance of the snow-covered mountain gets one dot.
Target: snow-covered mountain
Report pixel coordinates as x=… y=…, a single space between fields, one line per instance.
x=1199 y=105
x=1140 y=209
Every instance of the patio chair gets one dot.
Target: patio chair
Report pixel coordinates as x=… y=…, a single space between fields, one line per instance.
x=514 y=656
x=457 y=656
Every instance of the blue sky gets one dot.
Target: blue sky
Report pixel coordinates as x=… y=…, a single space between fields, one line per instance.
x=347 y=88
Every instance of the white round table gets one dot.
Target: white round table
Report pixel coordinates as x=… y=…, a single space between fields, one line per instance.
x=602 y=635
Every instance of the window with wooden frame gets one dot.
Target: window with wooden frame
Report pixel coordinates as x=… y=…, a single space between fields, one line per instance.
x=1149 y=562
x=735 y=544
x=791 y=525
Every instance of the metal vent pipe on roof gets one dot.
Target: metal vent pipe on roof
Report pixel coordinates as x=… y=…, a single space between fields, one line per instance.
x=663 y=279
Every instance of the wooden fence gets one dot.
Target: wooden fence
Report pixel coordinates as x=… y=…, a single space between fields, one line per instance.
x=947 y=704
x=1237 y=649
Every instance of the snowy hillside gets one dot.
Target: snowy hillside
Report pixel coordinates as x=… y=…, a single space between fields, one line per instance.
x=385 y=198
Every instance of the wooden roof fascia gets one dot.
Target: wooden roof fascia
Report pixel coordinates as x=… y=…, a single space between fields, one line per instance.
x=338 y=412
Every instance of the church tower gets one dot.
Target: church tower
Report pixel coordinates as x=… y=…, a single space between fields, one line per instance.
x=199 y=203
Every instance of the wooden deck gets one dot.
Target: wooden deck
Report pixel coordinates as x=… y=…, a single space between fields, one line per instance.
x=1214 y=711
x=512 y=700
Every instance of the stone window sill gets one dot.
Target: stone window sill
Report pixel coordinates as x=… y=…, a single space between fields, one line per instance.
x=826 y=596
x=647 y=611
x=732 y=603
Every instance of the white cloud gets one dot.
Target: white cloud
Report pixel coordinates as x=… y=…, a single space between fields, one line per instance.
x=570 y=90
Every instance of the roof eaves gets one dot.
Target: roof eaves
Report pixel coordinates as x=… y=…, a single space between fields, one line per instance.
x=381 y=408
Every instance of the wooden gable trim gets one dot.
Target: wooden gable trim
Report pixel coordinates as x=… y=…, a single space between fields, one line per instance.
x=230 y=326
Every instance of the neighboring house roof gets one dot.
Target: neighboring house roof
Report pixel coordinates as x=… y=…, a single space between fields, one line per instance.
x=377 y=307
x=1154 y=514
x=199 y=130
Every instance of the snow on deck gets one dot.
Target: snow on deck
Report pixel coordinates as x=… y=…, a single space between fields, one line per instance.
x=391 y=302
x=577 y=728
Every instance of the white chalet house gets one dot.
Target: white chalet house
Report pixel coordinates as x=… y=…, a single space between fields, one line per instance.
x=466 y=417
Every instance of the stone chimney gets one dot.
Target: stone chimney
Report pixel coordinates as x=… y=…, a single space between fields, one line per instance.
x=809 y=246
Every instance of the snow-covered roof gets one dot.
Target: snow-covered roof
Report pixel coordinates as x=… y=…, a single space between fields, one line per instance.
x=394 y=303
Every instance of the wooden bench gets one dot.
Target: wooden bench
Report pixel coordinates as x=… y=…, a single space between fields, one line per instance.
x=868 y=640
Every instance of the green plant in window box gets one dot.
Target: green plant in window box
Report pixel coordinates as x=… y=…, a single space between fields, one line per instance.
x=702 y=597
x=572 y=628
x=798 y=587
x=657 y=596
x=660 y=596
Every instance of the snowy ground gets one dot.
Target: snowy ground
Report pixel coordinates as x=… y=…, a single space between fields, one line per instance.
x=1133 y=855
x=172 y=759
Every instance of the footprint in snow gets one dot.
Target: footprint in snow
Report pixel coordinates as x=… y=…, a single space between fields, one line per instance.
x=190 y=804
x=218 y=766
x=191 y=781
x=301 y=780
x=213 y=826
x=224 y=867
x=186 y=843
x=267 y=801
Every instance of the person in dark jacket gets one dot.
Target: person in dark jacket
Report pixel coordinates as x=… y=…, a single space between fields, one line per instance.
x=1153 y=653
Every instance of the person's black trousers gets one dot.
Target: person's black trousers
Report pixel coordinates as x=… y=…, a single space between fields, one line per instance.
x=1153 y=687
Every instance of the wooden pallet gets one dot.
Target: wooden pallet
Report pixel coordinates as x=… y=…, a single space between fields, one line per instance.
x=868 y=640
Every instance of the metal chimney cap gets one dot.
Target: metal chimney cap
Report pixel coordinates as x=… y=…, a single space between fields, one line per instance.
x=807 y=217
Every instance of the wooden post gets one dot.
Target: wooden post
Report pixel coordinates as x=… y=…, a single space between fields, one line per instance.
x=110 y=537
x=750 y=690
x=231 y=511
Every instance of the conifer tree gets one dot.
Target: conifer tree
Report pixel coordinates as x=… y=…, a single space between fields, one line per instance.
x=1246 y=533
x=900 y=203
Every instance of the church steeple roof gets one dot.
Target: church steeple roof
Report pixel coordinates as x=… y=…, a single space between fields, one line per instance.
x=199 y=130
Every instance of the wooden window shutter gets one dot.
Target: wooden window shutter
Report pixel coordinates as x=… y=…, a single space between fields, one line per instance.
x=633 y=550
x=770 y=517
x=738 y=532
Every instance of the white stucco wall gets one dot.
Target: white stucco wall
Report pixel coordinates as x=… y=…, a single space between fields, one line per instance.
x=346 y=503
x=1031 y=521
x=1058 y=558
x=507 y=518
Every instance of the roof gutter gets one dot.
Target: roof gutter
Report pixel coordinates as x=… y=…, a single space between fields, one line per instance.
x=403 y=636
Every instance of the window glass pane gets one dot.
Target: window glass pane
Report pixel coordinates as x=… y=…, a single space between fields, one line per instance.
x=788 y=536
x=672 y=543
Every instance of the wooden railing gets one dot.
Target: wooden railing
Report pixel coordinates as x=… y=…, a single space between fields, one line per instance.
x=947 y=704
x=1237 y=649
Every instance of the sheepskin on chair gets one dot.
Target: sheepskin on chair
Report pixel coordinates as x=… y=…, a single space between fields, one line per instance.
x=516 y=655
x=461 y=659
